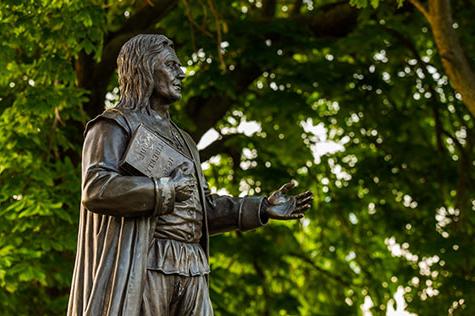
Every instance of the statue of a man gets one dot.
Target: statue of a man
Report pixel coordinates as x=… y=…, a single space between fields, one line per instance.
x=143 y=241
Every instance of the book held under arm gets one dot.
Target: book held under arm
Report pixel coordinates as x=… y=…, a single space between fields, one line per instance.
x=150 y=155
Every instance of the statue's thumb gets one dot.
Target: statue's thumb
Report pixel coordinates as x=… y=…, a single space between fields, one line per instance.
x=288 y=186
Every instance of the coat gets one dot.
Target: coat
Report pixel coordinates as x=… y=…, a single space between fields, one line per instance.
x=116 y=222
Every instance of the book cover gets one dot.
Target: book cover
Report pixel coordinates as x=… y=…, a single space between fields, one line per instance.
x=150 y=155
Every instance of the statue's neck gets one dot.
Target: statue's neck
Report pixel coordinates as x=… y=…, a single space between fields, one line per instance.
x=160 y=108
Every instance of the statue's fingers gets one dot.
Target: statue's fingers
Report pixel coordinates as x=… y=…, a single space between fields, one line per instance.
x=288 y=186
x=296 y=216
x=188 y=190
x=305 y=200
x=302 y=208
x=304 y=195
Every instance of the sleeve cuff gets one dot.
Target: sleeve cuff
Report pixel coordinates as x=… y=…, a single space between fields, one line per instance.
x=251 y=214
x=164 y=196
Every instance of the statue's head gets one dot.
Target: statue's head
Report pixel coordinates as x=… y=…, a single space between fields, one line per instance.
x=147 y=65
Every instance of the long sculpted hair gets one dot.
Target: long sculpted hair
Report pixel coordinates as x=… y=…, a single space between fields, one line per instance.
x=136 y=62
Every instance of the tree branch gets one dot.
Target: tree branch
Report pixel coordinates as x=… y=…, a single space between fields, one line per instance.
x=149 y=14
x=207 y=111
x=421 y=8
x=457 y=144
x=435 y=110
x=297 y=7
x=268 y=8
x=265 y=291
x=335 y=20
x=331 y=21
x=327 y=273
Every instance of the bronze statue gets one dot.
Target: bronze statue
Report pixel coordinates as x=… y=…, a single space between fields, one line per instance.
x=146 y=209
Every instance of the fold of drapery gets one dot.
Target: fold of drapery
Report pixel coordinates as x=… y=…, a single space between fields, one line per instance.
x=110 y=265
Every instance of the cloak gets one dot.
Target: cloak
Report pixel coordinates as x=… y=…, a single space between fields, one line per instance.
x=117 y=217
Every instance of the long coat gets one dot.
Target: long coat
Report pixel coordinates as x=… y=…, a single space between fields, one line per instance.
x=116 y=222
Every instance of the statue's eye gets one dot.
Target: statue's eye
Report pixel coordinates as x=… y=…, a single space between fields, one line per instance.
x=173 y=65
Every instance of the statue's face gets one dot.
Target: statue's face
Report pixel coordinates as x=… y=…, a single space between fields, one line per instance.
x=168 y=77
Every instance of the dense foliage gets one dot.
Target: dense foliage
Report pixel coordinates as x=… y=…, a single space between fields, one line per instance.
x=394 y=194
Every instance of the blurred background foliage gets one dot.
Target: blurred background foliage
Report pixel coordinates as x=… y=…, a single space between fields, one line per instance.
x=349 y=98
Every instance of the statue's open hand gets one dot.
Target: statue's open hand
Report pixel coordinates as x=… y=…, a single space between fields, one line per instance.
x=183 y=181
x=281 y=206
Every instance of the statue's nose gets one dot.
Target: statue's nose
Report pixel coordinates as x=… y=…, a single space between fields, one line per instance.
x=181 y=74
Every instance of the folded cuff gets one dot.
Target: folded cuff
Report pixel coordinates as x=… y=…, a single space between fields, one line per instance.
x=164 y=196
x=250 y=213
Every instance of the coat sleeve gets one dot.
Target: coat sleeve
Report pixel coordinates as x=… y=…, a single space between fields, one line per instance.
x=227 y=213
x=105 y=189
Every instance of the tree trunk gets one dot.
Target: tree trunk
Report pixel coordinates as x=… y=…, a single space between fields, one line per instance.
x=454 y=60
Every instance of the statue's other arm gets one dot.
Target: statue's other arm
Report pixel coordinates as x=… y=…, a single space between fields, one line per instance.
x=105 y=189
x=227 y=213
